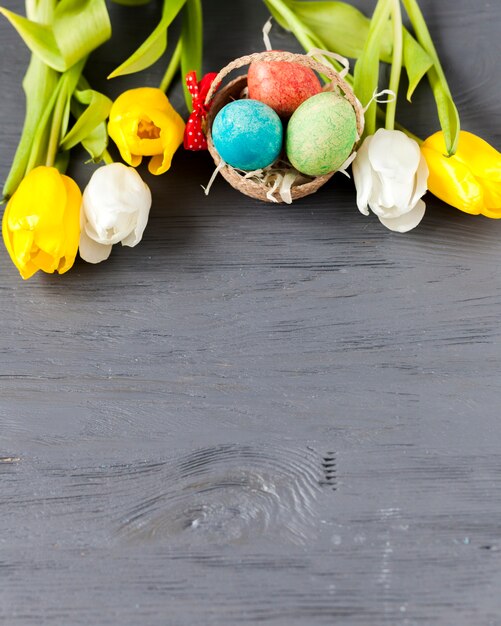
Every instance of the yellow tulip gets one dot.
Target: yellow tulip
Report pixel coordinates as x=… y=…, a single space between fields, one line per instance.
x=41 y=223
x=471 y=179
x=144 y=123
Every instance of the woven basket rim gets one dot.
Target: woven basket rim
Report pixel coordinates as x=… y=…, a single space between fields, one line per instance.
x=217 y=98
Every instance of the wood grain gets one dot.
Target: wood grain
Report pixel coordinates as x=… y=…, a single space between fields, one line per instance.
x=282 y=415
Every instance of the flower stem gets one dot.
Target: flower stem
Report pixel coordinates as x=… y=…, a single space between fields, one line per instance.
x=366 y=72
x=173 y=66
x=55 y=130
x=107 y=158
x=396 y=66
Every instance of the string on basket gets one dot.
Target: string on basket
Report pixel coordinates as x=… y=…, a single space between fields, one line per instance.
x=343 y=169
x=213 y=177
x=376 y=95
x=266 y=34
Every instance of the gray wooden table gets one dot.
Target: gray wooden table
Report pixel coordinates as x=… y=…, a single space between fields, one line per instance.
x=284 y=415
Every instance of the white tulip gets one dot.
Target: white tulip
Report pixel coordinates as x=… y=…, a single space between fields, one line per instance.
x=391 y=177
x=115 y=208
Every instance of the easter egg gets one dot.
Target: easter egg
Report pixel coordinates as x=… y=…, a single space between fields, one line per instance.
x=247 y=134
x=321 y=134
x=282 y=85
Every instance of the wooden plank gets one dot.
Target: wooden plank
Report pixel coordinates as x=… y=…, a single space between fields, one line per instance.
x=284 y=415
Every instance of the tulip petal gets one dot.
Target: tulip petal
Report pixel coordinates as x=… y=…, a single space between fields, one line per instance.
x=471 y=179
x=395 y=157
x=22 y=244
x=362 y=176
x=41 y=222
x=71 y=223
x=390 y=212
x=137 y=234
x=92 y=251
x=144 y=123
x=452 y=181
x=115 y=208
x=421 y=184
x=492 y=199
x=393 y=154
x=395 y=195
x=406 y=222
x=141 y=219
x=480 y=157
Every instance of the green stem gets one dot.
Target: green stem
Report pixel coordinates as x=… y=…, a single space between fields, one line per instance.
x=424 y=36
x=39 y=142
x=31 y=10
x=173 y=66
x=396 y=66
x=367 y=66
x=55 y=130
x=192 y=47
x=107 y=158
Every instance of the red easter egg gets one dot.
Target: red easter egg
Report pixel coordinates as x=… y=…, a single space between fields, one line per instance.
x=282 y=85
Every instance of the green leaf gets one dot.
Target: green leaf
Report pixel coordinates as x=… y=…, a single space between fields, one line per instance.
x=39 y=84
x=38 y=37
x=342 y=27
x=154 y=46
x=417 y=62
x=448 y=114
x=70 y=80
x=96 y=142
x=132 y=3
x=367 y=66
x=147 y=53
x=192 y=43
x=78 y=27
x=446 y=108
x=95 y=110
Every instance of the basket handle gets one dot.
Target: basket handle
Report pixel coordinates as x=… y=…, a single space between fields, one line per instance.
x=301 y=59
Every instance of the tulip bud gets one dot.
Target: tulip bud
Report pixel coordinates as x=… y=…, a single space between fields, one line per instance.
x=40 y=225
x=115 y=208
x=390 y=176
x=471 y=179
x=144 y=123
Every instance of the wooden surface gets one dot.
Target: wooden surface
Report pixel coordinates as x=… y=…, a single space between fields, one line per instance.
x=261 y=414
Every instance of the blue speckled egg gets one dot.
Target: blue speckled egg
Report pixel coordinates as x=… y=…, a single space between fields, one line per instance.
x=247 y=134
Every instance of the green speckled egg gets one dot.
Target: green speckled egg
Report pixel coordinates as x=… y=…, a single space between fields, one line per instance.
x=321 y=134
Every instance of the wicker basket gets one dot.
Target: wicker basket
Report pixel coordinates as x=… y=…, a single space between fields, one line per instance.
x=217 y=99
